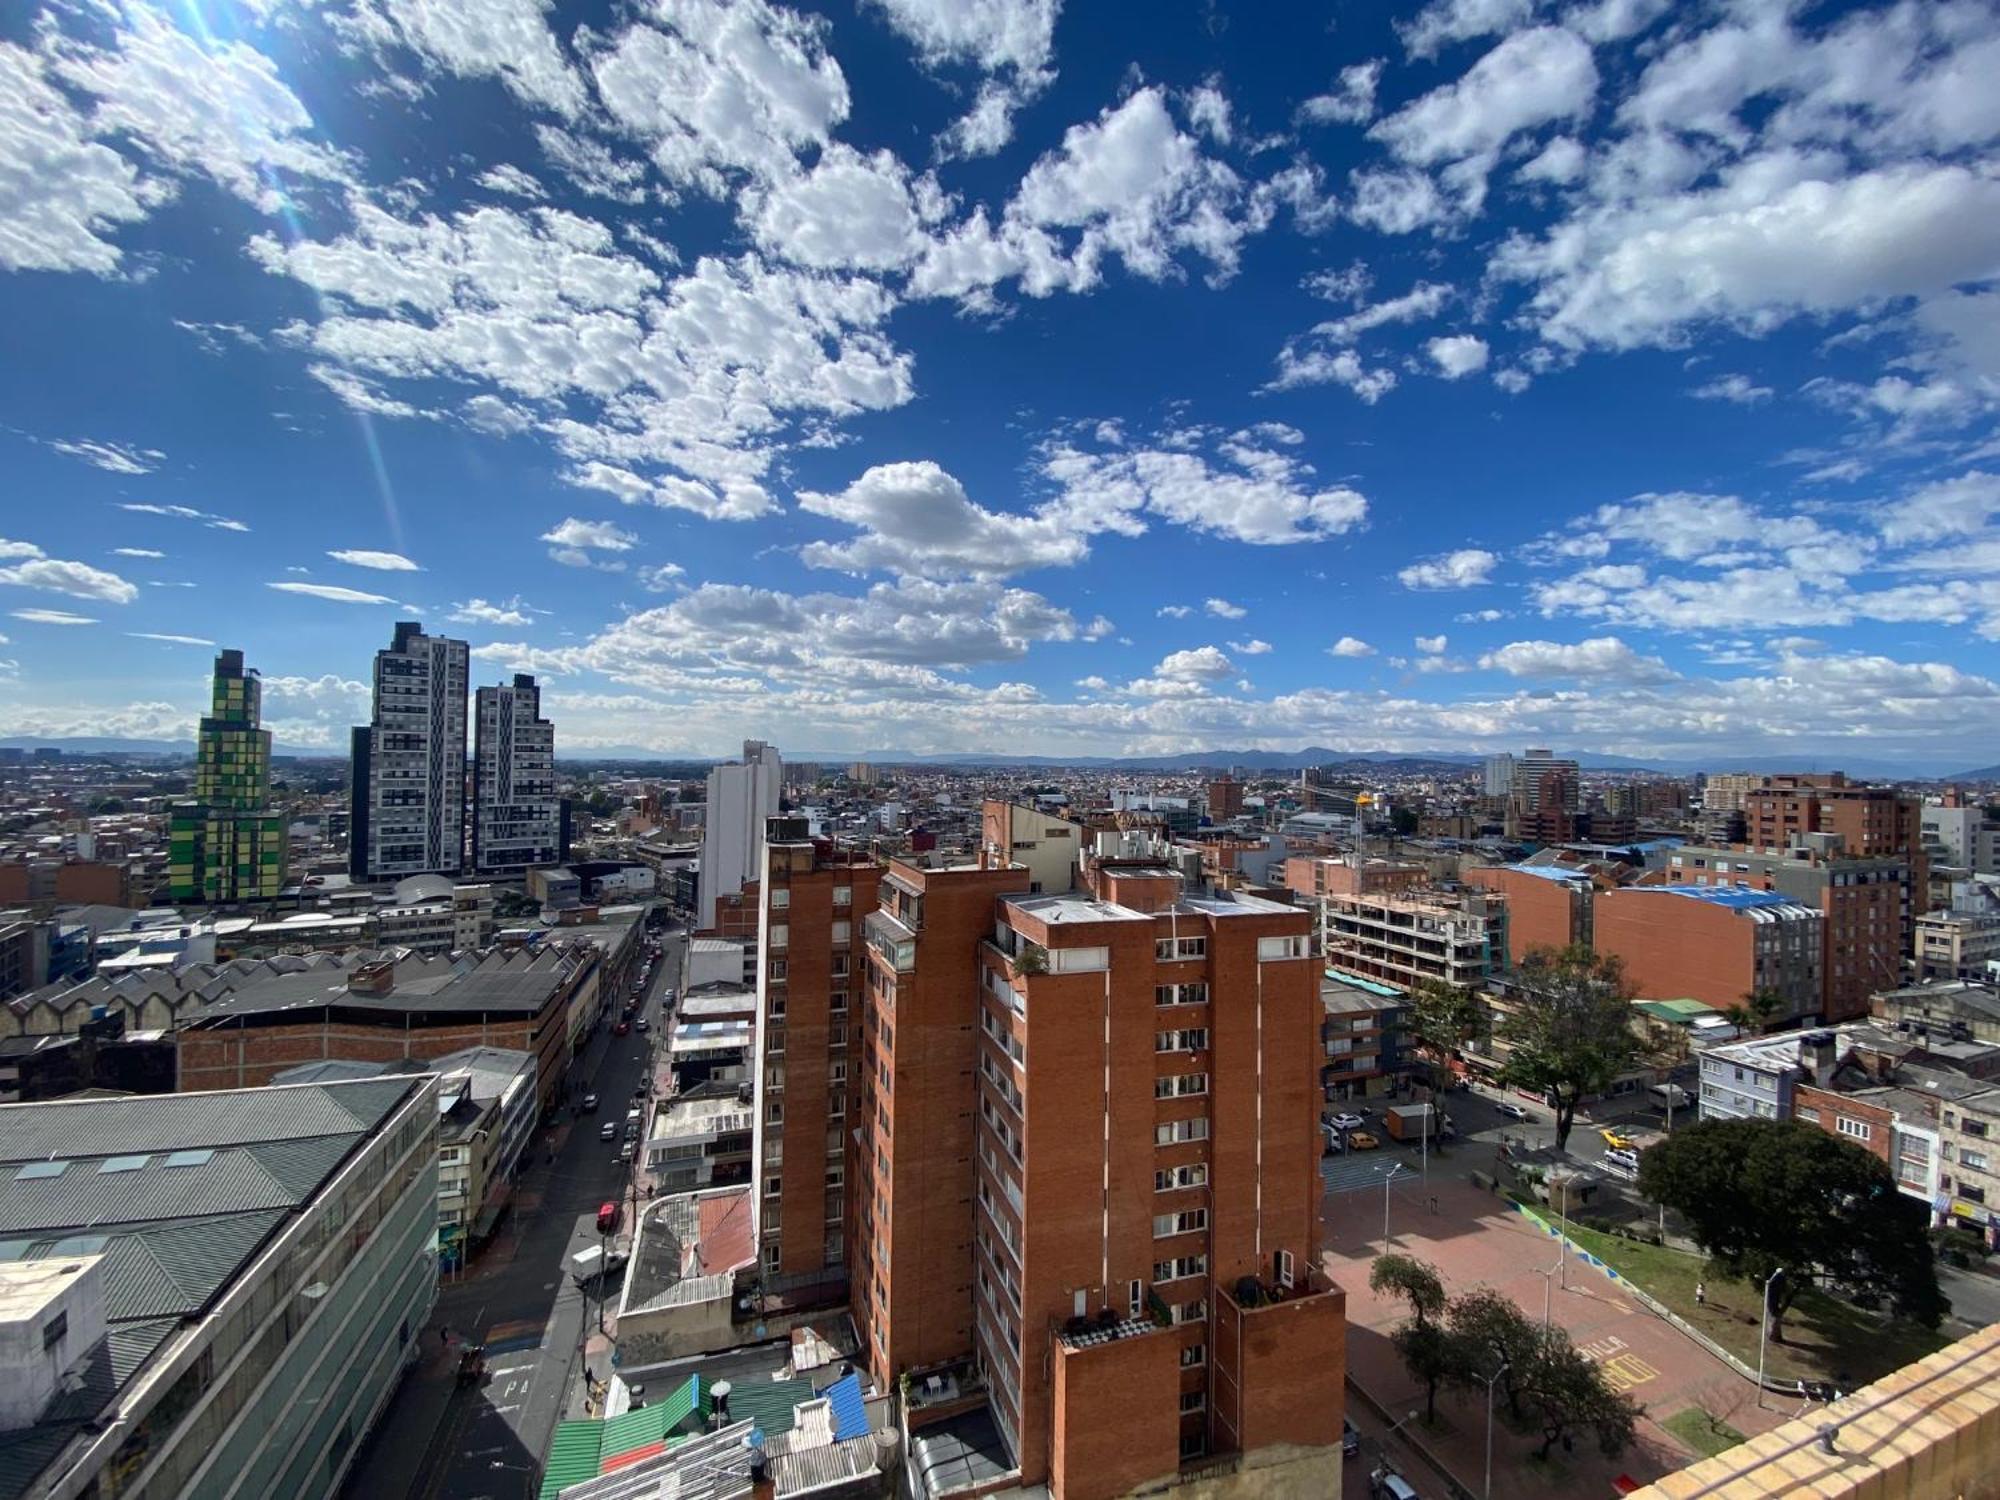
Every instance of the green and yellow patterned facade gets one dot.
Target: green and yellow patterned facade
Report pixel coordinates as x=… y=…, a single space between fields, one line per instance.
x=225 y=846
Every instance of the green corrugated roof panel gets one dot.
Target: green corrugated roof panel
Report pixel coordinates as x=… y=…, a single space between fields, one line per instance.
x=650 y=1424
x=574 y=1456
x=770 y=1403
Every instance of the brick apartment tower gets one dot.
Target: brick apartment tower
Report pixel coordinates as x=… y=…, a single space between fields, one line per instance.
x=1873 y=822
x=915 y=1106
x=811 y=901
x=1148 y=1191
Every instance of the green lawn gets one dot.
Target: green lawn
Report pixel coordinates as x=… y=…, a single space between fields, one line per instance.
x=1702 y=1432
x=1825 y=1338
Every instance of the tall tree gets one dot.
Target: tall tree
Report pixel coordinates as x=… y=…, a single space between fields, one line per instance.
x=1756 y=1010
x=1415 y=1281
x=1566 y=1391
x=1432 y=1355
x=1761 y=1196
x=1570 y=1032
x=1441 y=1020
x=1497 y=1338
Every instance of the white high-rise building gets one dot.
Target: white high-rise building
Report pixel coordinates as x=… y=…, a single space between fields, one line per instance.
x=408 y=808
x=1499 y=778
x=741 y=795
x=517 y=818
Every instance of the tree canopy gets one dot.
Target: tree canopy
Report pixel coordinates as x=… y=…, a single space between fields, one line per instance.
x=1570 y=1032
x=1760 y=1196
x=1415 y=1281
x=1442 y=1019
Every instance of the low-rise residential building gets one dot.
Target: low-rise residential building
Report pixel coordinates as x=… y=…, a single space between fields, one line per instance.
x=1866 y=901
x=1952 y=1008
x=1363 y=1035
x=1715 y=944
x=1404 y=938
x=701 y=1138
x=1956 y=945
x=1548 y=905
x=1048 y=845
x=1969 y=1182
x=299 y=1223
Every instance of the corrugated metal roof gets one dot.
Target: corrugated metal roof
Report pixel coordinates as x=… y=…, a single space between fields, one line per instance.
x=163 y=1270
x=850 y=1413
x=238 y=1179
x=573 y=1456
x=177 y=1122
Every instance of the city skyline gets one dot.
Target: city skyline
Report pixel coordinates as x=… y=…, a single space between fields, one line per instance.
x=1615 y=377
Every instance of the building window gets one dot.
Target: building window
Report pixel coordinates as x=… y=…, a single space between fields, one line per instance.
x=780 y=898
x=1194 y=1356
x=1167 y=1179
x=1173 y=950
x=1859 y=1130
x=773 y=1186
x=1973 y=1159
x=843 y=895
x=55 y=1330
x=1192 y=1402
x=1187 y=1221
x=1281 y=947
x=1285 y=1271
x=1179 y=1132
x=780 y=935
x=1135 y=1298
x=779 y=969
x=1806 y=1115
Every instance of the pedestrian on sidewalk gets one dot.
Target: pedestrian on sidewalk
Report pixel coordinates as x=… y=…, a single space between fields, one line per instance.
x=1700 y=1294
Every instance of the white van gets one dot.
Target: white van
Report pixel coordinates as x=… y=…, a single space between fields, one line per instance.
x=1623 y=1157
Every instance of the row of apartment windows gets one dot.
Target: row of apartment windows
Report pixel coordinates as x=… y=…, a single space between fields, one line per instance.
x=1195 y=993
x=1187 y=1221
x=1190 y=1039
x=1179 y=1085
x=1194 y=1175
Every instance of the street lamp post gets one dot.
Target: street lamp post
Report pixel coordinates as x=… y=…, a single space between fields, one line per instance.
x=1548 y=1291
x=1764 y=1330
x=1562 y=1220
x=1387 y=1178
x=1490 y=1380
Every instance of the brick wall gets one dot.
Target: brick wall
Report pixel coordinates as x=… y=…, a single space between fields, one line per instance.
x=1831 y=1108
x=1678 y=947
x=1541 y=913
x=1116 y=1416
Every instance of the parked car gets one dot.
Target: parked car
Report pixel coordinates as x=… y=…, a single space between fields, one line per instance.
x=631 y=1130
x=625 y=1152
x=643 y=1024
x=608 y=1131
x=1512 y=1110
x=1348 y=1121
x=1350 y=1438
x=621 y=1028
x=1361 y=1140
x=589 y=1103
x=1386 y=1484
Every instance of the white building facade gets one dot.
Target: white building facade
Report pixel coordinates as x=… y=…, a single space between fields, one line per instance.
x=741 y=795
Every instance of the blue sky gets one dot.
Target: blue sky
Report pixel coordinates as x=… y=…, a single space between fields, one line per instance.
x=1006 y=375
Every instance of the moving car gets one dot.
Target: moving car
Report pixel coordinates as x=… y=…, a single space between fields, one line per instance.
x=1361 y=1140
x=621 y=1028
x=607 y=1131
x=1347 y=1121
x=1614 y=1140
x=1512 y=1110
x=643 y=1024
x=607 y=1217
x=589 y=1103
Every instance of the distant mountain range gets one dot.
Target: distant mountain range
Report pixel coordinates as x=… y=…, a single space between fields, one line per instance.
x=1362 y=762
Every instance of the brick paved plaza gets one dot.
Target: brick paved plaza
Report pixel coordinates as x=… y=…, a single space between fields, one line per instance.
x=1477 y=1238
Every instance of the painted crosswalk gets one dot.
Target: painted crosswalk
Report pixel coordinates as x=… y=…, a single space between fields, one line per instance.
x=1365 y=1169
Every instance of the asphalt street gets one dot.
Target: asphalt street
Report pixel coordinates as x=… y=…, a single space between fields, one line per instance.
x=442 y=1441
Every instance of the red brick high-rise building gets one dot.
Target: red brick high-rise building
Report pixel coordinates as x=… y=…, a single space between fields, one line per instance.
x=1148 y=1187
x=811 y=899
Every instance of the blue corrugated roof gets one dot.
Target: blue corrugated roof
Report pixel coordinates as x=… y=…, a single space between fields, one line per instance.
x=1735 y=897
x=850 y=1416
x=1553 y=872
